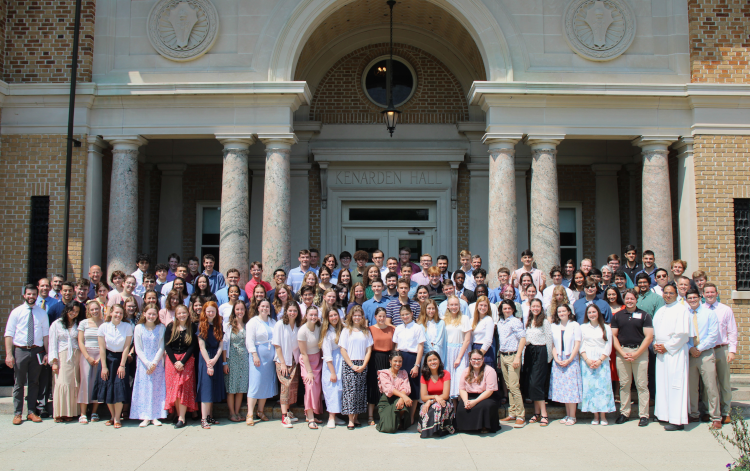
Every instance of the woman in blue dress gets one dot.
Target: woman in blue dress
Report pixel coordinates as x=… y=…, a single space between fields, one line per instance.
x=259 y=337
x=434 y=328
x=210 y=373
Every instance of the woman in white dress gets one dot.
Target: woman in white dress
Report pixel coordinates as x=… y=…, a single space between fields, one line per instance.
x=434 y=328
x=458 y=340
x=330 y=333
x=483 y=331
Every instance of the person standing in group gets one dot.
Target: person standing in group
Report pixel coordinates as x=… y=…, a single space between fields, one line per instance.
x=149 y=387
x=632 y=333
x=311 y=364
x=596 y=348
x=236 y=357
x=225 y=310
x=437 y=414
x=395 y=399
x=483 y=331
x=356 y=349
x=180 y=343
x=88 y=343
x=477 y=408
x=702 y=362
x=434 y=328
x=382 y=338
x=409 y=338
x=458 y=342
x=202 y=287
x=330 y=333
x=511 y=341
x=287 y=358
x=537 y=356
x=579 y=307
x=356 y=297
x=262 y=376
x=725 y=350
x=210 y=378
x=672 y=331
x=393 y=308
x=565 y=384
x=26 y=344
x=64 y=358
x=112 y=386
x=538 y=278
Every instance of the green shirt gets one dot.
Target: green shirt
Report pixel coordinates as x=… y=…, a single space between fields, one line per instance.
x=650 y=302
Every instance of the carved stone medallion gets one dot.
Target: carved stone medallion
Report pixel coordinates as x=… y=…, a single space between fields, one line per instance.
x=183 y=30
x=599 y=30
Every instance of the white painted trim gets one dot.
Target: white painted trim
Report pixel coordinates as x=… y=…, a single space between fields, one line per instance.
x=745 y=295
x=387 y=154
x=199 y=205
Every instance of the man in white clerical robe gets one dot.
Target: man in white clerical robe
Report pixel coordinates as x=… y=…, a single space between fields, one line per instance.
x=672 y=330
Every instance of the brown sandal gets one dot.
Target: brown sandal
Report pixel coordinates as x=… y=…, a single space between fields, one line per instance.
x=262 y=417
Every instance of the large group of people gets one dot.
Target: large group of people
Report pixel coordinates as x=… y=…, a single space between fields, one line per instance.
x=418 y=343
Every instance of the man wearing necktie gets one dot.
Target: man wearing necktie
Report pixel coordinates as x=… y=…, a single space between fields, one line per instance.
x=702 y=360
x=726 y=347
x=26 y=344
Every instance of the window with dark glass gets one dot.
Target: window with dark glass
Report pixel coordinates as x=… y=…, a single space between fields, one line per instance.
x=39 y=238
x=375 y=82
x=568 y=235
x=742 y=242
x=388 y=214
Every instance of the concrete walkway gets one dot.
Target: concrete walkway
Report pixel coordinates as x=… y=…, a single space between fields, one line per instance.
x=70 y=446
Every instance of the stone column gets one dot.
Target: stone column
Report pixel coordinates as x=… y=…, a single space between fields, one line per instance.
x=170 y=210
x=657 y=200
x=686 y=203
x=502 y=219
x=545 y=217
x=92 y=232
x=122 y=233
x=277 y=211
x=235 y=205
x=607 y=212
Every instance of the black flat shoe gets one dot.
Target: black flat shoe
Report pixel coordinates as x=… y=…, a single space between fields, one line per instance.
x=622 y=419
x=643 y=422
x=673 y=427
x=350 y=427
x=179 y=424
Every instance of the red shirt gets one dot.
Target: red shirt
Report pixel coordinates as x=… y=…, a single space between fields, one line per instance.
x=250 y=286
x=435 y=389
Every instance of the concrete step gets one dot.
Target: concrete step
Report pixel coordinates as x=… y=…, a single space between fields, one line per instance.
x=740 y=380
x=6 y=391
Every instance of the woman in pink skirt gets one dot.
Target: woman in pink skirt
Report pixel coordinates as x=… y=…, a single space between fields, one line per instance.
x=88 y=343
x=311 y=364
x=180 y=342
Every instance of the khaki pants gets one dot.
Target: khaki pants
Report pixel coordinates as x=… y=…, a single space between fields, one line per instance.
x=511 y=376
x=626 y=370
x=722 y=380
x=704 y=367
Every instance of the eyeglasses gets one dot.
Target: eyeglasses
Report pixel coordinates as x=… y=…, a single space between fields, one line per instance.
x=590 y=287
x=661 y=276
x=477 y=359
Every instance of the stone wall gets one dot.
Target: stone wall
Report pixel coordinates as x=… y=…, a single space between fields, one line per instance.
x=719 y=40
x=39 y=41
x=724 y=159
x=438 y=98
x=34 y=165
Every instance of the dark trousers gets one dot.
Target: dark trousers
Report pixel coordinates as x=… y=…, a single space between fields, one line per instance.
x=26 y=371
x=46 y=387
x=652 y=373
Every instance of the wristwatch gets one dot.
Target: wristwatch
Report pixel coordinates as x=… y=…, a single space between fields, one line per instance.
x=224 y=364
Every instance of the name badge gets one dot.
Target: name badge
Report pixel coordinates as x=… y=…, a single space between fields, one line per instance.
x=637 y=315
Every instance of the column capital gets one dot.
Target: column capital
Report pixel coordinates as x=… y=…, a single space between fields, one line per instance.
x=543 y=141
x=126 y=142
x=96 y=144
x=278 y=141
x=502 y=140
x=175 y=170
x=654 y=142
x=606 y=169
x=235 y=141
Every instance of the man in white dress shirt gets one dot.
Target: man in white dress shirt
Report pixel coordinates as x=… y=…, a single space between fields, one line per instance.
x=26 y=344
x=672 y=331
